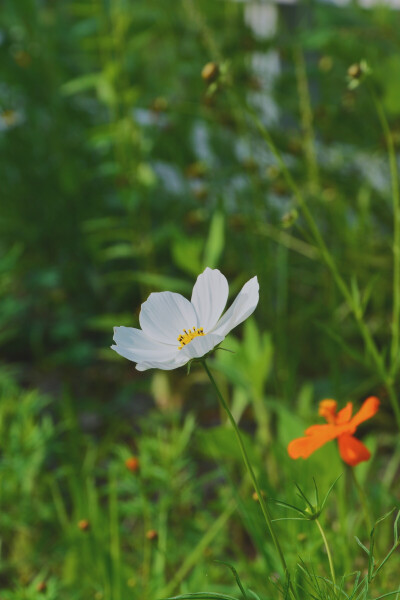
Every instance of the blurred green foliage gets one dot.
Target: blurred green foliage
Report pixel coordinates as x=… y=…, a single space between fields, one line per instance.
x=122 y=174
x=124 y=171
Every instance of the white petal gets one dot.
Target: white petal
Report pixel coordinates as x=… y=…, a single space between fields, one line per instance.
x=209 y=296
x=165 y=315
x=199 y=346
x=165 y=366
x=134 y=345
x=243 y=306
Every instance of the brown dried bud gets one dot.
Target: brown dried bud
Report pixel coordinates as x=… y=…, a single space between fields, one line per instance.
x=84 y=525
x=41 y=586
x=151 y=534
x=210 y=72
x=132 y=464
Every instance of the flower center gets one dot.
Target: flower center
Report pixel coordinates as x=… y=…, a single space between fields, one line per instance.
x=188 y=336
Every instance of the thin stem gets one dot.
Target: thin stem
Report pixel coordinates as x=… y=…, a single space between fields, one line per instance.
x=363 y=500
x=393 y=549
x=396 y=237
x=330 y=262
x=328 y=551
x=393 y=398
x=246 y=460
x=306 y=115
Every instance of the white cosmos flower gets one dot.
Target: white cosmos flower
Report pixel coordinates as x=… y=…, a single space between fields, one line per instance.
x=174 y=330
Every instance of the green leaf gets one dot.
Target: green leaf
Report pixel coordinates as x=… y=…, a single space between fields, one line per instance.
x=202 y=596
x=215 y=242
x=186 y=253
x=396 y=528
x=359 y=542
x=81 y=84
x=154 y=280
x=302 y=495
x=236 y=576
x=329 y=491
x=287 y=505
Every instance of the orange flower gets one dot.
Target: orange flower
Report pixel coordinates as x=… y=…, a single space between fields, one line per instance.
x=340 y=425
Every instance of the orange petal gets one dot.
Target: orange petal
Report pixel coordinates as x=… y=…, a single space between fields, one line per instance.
x=327 y=409
x=368 y=410
x=326 y=428
x=305 y=446
x=344 y=415
x=352 y=450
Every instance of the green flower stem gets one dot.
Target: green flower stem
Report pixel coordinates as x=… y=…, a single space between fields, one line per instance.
x=328 y=551
x=363 y=500
x=246 y=460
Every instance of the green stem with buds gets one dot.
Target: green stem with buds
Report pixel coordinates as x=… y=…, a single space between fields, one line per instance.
x=373 y=351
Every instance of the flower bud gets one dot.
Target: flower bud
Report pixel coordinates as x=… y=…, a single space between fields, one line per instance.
x=255 y=496
x=210 y=72
x=132 y=464
x=354 y=71
x=41 y=586
x=151 y=534
x=84 y=525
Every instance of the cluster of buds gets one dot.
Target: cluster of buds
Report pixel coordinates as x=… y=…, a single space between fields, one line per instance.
x=356 y=73
x=215 y=76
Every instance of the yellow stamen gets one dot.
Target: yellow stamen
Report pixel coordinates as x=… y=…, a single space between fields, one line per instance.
x=188 y=336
